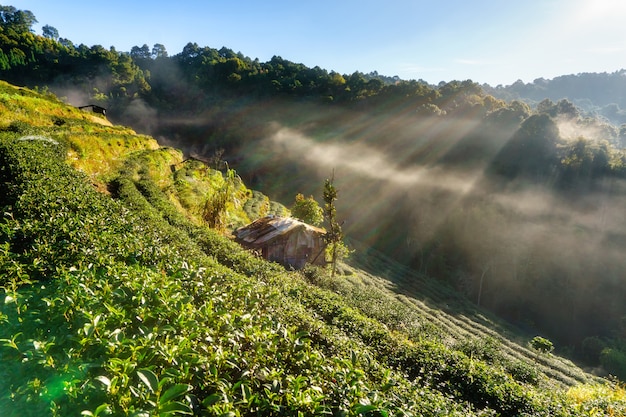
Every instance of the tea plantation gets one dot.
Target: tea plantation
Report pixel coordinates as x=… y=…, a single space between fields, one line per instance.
x=118 y=300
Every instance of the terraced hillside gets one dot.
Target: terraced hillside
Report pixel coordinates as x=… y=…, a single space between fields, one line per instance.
x=118 y=299
x=458 y=322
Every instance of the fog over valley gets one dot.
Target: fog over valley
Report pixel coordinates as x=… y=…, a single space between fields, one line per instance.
x=541 y=245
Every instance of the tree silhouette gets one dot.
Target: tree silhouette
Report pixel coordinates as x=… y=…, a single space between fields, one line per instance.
x=50 y=32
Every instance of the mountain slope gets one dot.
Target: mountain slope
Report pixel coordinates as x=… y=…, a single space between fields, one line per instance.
x=520 y=208
x=117 y=299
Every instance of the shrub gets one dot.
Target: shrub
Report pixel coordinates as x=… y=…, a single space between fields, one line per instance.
x=541 y=344
x=487 y=349
x=614 y=361
x=523 y=372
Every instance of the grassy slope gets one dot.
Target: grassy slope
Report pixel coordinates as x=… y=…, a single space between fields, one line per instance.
x=128 y=305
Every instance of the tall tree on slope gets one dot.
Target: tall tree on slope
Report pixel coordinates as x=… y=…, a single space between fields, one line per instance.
x=334 y=234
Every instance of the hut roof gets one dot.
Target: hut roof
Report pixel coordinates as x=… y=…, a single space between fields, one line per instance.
x=94 y=108
x=264 y=230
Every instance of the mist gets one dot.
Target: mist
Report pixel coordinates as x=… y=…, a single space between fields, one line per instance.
x=550 y=261
x=421 y=189
x=71 y=95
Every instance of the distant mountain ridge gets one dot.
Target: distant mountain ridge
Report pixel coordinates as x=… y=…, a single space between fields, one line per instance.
x=600 y=93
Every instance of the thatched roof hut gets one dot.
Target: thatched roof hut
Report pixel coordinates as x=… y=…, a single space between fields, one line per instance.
x=285 y=240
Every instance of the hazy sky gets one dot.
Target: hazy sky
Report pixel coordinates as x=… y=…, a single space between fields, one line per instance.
x=488 y=41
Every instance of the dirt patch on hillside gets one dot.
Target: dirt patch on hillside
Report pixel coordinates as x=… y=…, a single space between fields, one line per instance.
x=99 y=120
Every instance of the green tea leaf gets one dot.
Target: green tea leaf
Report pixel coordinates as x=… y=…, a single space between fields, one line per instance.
x=103 y=408
x=173 y=392
x=175 y=408
x=149 y=378
x=364 y=409
x=104 y=380
x=211 y=399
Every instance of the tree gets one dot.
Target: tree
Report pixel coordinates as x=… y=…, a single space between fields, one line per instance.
x=19 y=20
x=337 y=80
x=140 y=53
x=509 y=116
x=532 y=151
x=66 y=43
x=50 y=32
x=334 y=234
x=357 y=85
x=541 y=344
x=577 y=160
x=159 y=51
x=566 y=108
x=614 y=361
x=229 y=195
x=546 y=106
x=307 y=210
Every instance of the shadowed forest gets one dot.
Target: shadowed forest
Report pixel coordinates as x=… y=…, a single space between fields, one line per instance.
x=513 y=195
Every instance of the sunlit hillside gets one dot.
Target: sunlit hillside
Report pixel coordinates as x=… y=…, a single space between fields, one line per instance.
x=513 y=199
x=119 y=299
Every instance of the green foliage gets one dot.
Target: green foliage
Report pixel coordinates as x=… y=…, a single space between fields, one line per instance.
x=307 y=210
x=584 y=161
x=487 y=349
x=50 y=32
x=523 y=372
x=334 y=234
x=541 y=344
x=119 y=77
x=339 y=251
x=14 y=20
x=614 y=361
x=26 y=58
x=120 y=333
x=225 y=198
x=532 y=150
x=257 y=206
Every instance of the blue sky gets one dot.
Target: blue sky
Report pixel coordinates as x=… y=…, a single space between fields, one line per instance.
x=488 y=41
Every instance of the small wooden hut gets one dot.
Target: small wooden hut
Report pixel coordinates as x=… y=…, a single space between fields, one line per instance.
x=94 y=108
x=285 y=240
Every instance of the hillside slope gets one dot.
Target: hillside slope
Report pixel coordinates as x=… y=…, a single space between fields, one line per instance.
x=117 y=299
x=519 y=208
